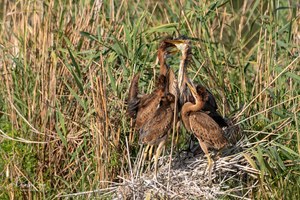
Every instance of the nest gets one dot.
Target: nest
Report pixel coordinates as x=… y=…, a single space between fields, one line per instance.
x=186 y=177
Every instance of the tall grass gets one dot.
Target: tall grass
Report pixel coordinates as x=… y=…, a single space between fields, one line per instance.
x=66 y=67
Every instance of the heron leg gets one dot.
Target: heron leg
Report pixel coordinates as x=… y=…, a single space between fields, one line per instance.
x=146 y=152
x=150 y=152
x=209 y=160
x=145 y=155
x=141 y=161
x=158 y=151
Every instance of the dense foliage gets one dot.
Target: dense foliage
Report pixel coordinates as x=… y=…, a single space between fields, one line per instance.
x=66 y=67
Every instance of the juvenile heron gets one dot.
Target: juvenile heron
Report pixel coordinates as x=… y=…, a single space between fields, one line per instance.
x=206 y=130
x=154 y=113
x=210 y=105
x=155 y=131
x=143 y=107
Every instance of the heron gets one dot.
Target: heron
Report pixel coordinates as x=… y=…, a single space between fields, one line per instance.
x=205 y=128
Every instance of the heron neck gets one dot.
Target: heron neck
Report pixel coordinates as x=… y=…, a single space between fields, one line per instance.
x=182 y=74
x=162 y=62
x=186 y=109
x=189 y=107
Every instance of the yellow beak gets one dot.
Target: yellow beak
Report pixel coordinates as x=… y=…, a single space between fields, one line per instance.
x=172 y=50
x=192 y=88
x=180 y=44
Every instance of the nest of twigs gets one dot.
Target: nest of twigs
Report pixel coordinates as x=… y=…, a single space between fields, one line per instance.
x=187 y=178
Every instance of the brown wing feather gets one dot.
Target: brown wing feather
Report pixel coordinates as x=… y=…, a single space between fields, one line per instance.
x=147 y=108
x=156 y=129
x=132 y=107
x=207 y=130
x=141 y=107
x=133 y=100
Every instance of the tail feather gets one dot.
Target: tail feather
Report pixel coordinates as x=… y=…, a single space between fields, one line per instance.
x=132 y=107
x=133 y=100
x=134 y=87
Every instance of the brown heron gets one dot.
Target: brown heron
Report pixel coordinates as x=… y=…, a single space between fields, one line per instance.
x=166 y=47
x=143 y=108
x=156 y=129
x=210 y=105
x=135 y=101
x=206 y=130
x=147 y=109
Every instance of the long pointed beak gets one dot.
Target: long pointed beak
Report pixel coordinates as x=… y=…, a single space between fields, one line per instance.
x=175 y=41
x=178 y=43
x=172 y=50
x=192 y=88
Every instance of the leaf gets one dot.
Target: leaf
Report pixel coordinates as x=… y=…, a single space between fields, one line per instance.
x=277 y=161
x=75 y=75
x=163 y=28
x=77 y=97
x=250 y=160
x=88 y=35
x=128 y=38
x=112 y=79
x=289 y=74
x=75 y=64
x=119 y=48
x=287 y=149
x=260 y=158
x=61 y=135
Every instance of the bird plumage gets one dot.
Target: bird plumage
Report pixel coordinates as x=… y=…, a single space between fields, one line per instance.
x=206 y=130
x=143 y=108
x=156 y=129
x=200 y=123
x=210 y=105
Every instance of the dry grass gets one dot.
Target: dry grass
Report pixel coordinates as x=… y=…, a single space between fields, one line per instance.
x=188 y=177
x=65 y=69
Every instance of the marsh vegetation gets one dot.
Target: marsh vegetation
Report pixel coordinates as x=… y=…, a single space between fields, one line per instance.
x=65 y=70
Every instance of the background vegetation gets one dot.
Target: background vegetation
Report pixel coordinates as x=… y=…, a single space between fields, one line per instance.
x=66 y=67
